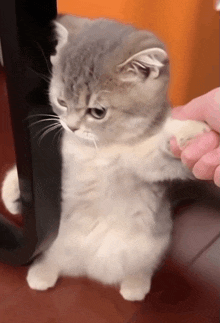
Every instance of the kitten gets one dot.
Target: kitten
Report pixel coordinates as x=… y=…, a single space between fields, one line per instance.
x=109 y=88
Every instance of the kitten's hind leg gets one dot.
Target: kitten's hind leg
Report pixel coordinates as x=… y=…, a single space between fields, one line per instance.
x=135 y=287
x=42 y=274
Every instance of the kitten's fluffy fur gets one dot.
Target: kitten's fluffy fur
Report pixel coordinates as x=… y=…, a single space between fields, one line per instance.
x=108 y=86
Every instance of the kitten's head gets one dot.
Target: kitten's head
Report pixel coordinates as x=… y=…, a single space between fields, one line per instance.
x=109 y=80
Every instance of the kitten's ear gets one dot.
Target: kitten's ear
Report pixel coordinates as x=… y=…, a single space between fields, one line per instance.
x=67 y=25
x=62 y=37
x=144 y=63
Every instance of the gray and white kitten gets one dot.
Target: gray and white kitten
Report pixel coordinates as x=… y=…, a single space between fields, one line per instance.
x=109 y=88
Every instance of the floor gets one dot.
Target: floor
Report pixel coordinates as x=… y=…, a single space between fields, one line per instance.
x=175 y=297
x=184 y=290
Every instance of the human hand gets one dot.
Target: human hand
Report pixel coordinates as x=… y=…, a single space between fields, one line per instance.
x=201 y=154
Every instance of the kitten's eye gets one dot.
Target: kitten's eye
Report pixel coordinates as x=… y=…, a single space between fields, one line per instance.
x=97 y=113
x=62 y=102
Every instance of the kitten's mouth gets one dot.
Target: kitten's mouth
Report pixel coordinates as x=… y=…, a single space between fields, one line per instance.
x=85 y=135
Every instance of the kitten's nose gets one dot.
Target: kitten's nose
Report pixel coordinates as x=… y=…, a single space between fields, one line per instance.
x=74 y=128
x=73 y=122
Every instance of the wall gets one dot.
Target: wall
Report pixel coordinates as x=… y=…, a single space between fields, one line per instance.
x=190 y=28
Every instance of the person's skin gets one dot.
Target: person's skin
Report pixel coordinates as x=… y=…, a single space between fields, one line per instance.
x=201 y=154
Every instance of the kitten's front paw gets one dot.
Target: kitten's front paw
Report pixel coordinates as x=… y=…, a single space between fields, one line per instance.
x=134 y=290
x=40 y=277
x=133 y=295
x=11 y=192
x=190 y=129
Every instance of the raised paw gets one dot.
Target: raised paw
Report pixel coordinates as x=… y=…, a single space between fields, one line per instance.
x=184 y=130
x=41 y=277
x=190 y=129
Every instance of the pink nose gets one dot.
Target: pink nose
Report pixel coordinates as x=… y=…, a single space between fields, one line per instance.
x=73 y=128
x=73 y=122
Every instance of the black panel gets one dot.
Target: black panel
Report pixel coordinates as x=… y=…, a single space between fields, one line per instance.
x=27 y=42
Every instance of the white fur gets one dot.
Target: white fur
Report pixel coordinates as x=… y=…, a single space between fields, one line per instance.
x=10 y=191
x=101 y=236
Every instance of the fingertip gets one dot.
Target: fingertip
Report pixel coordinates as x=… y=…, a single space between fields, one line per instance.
x=188 y=157
x=212 y=139
x=202 y=171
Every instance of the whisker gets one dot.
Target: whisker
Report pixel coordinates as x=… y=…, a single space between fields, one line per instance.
x=44 y=77
x=42 y=114
x=48 y=131
x=95 y=144
x=45 y=128
x=58 y=134
x=39 y=121
x=41 y=49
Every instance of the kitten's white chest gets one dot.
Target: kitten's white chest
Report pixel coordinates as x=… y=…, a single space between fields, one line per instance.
x=103 y=182
x=91 y=178
x=103 y=230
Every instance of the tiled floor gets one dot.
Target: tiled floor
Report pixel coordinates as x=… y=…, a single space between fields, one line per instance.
x=179 y=294
x=195 y=228
x=176 y=296
x=73 y=300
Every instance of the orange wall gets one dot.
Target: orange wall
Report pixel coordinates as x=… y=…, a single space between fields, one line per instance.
x=190 y=28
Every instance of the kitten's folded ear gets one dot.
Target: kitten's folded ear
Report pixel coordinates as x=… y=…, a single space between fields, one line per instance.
x=146 y=63
x=62 y=37
x=67 y=25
